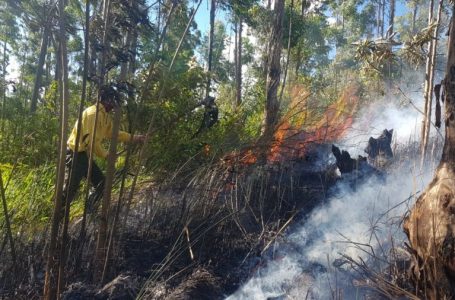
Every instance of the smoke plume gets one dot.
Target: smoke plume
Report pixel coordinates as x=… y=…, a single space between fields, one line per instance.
x=358 y=219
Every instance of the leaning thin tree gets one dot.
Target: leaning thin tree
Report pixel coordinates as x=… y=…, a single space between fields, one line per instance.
x=430 y=225
x=52 y=265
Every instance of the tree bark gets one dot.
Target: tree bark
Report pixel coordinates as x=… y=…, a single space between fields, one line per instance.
x=50 y=287
x=238 y=63
x=382 y=17
x=40 y=70
x=391 y=17
x=4 y=64
x=288 y=54
x=430 y=225
x=429 y=92
x=274 y=71
x=414 y=17
x=428 y=88
x=211 y=42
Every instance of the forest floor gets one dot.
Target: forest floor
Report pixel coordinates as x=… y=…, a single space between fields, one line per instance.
x=197 y=240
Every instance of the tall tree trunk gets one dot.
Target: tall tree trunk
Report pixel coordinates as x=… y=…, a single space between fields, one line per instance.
x=150 y=128
x=382 y=17
x=182 y=38
x=211 y=42
x=430 y=224
x=378 y=19
x=428 y=95
x=128 y=44
x=64 y=250
x=238 y=62
x=52 y=257
x=288 y=55
x=414 y=17
x=273 y=75
x=431 y=82
x=81 y=107
x=145 y=91
x=40 y=70
x=3 y=121
x=391 y=17
x=100 y=251
x=298 y=60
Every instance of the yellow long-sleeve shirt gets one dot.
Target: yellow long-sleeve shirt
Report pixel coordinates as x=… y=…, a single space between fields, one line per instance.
x=103 y=131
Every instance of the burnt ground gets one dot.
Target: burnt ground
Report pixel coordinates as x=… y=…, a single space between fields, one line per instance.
x=197 y=240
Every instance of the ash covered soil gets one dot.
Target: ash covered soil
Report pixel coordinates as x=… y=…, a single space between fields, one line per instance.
x=201 y=238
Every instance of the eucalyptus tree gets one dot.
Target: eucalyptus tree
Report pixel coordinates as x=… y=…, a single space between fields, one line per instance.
x=272 y=104
x=429 y=77
x=9 y=32
x=238 y=60
x=46 y=19
x=220 y=67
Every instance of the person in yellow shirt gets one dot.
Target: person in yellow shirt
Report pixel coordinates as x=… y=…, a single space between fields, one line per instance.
x=108 y=100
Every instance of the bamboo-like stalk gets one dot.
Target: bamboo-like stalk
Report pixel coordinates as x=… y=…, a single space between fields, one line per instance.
x=429 y=87
x=50 y=288
x=7 y=220
x=101 y=245
x=143 y=95
x=2 y=120
x=81 y=105
x=428 y=96
x=103 y=219
x=93 y=137
x=150 y=127
x=150 y=69
x=183 y=36
x=75 y=158
x=110 y=239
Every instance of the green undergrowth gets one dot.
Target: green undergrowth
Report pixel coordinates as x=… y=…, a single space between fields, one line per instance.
x=28 y=193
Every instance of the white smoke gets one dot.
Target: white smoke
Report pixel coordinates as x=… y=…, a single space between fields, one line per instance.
x=356 y=220
x=403 y=115
x=370 y=215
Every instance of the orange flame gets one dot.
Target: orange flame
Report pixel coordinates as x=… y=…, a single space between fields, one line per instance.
x=304 y=124
x=291 y=141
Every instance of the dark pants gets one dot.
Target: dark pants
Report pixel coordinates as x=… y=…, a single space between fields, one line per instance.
x=78 y=172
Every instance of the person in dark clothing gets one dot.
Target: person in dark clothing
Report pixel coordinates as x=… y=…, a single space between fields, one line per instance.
x=210 y=115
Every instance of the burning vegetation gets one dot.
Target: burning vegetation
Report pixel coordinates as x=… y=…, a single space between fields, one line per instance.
x=244 y=177
x=305 y=125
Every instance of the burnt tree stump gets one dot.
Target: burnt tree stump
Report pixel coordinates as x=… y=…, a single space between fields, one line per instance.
x=380 y=149
x=344 y=162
